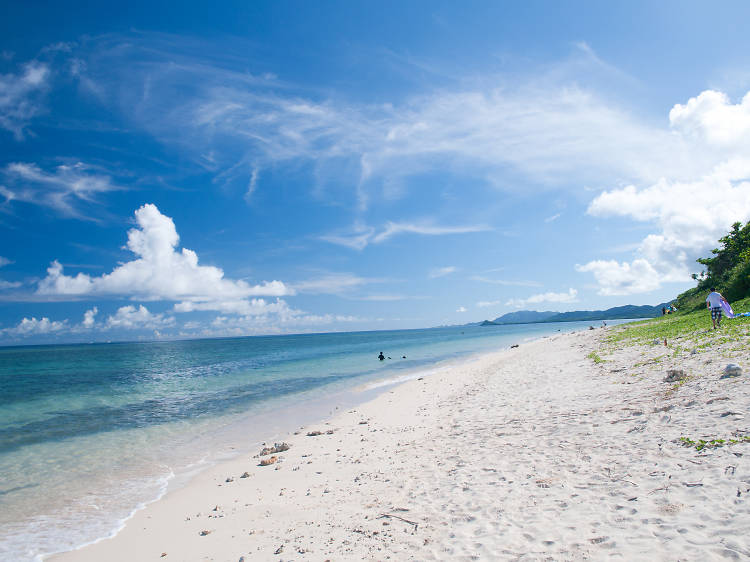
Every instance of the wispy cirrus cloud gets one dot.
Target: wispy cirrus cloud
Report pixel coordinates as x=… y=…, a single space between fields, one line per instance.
x=551 y=297
x=334 y=284
x=64 y=189
x=279 y=318
x=362 y=236
x=539 y=126
x=7 y=284
x=387 y=298
x=21 y=97
x=393 y=228
x=441 y=271
x=358 y=238
x=504 y=282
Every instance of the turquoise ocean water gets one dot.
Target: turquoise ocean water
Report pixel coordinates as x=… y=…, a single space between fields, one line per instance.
x=90 y=433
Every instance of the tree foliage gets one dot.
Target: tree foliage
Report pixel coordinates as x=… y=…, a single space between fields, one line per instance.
x=728 y=270
x=735 y=249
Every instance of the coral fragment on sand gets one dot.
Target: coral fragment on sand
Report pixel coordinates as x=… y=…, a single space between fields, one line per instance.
x=266 y=462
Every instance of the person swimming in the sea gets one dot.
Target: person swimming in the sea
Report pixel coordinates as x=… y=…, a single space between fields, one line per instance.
x=381 y=356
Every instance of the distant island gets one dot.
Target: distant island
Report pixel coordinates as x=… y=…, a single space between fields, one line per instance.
x=533 y=316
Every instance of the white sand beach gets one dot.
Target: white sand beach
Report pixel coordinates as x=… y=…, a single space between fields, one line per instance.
x=534 y=453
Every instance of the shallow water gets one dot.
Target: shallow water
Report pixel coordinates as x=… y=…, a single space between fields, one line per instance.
x=88 y=433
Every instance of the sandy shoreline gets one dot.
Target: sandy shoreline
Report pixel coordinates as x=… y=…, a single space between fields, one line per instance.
x=526 y=454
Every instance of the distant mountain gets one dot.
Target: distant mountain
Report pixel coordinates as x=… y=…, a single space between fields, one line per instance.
x=627 y=311
x=534 y=317
x=524 y=317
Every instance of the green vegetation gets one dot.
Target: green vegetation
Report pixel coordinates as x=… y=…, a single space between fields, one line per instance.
x=676 y=386
x=676 y=328
x=595 y=357
x=701 y=444
x=690 y=330
x=728 y=270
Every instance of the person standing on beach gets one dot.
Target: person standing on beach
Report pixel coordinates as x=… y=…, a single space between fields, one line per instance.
x=713 y=303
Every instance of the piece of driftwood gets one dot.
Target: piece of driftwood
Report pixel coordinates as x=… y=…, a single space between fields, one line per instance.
x=392 y=516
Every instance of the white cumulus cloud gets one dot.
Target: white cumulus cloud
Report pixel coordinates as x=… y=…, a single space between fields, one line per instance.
x=713 y=118
x=132 y=318
x=691 y=217
x=159 y=272
x=89 y=317
x=31 y=326
x=616 y=278
x=690 y=214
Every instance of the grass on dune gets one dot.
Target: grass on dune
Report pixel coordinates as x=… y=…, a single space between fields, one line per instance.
x=694 y=326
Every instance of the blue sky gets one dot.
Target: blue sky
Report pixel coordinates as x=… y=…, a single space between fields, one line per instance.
x=272 y=167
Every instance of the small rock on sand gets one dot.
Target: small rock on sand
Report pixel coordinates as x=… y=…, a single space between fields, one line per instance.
x=277 y=448
x=731 y=370
x=674 y=375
